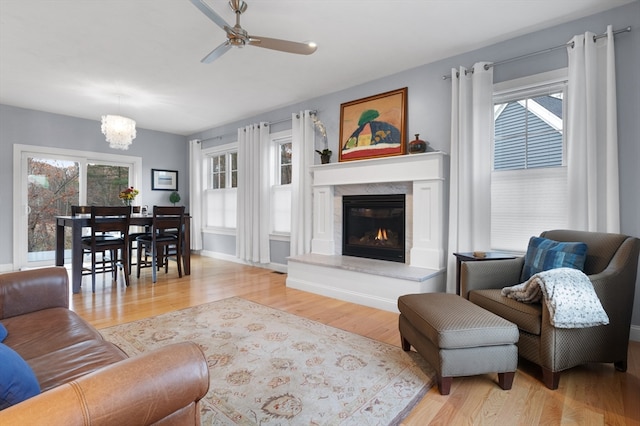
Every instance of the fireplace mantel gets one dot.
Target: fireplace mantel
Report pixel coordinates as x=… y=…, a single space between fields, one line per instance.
x=425 y=172
x=376 y=283
x=401 y=168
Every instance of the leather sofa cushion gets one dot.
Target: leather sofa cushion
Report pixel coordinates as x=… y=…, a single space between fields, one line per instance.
x=62 y=353
x=528 y=317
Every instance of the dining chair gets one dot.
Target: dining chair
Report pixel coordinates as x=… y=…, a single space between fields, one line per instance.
x=165 y=238
x=114 y=221
x=104 y=262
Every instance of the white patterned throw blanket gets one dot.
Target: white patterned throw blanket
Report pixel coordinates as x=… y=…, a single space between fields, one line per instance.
x=569 y=295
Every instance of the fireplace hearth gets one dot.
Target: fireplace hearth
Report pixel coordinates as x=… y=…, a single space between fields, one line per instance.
x=374 y=226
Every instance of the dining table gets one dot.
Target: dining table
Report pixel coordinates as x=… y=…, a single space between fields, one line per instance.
x=78 y=222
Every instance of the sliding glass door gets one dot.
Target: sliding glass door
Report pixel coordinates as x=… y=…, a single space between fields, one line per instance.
x=50 y=181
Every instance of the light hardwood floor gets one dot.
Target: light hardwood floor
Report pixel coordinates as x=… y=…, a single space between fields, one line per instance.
x=588 y=395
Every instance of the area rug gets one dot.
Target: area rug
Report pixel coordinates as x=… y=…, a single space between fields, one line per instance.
x=270 y=367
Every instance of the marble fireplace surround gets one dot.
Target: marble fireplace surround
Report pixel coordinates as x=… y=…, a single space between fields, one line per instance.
x=370 y=282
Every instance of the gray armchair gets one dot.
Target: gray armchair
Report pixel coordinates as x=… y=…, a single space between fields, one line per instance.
x=611 y=265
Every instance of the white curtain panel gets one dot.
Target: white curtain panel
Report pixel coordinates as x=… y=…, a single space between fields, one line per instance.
x=195 y=192
x=252 y=238
x=592 y=138
x=470 y=163
x=302 y=147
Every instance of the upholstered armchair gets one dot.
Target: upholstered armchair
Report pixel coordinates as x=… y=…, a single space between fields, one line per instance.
x=611 y=265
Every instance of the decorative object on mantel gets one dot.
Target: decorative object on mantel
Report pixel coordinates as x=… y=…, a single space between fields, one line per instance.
x=325 y=155
x=174 y=197
x=417 y=145
x=128 y=195
x=374 y=126
x=119 y=131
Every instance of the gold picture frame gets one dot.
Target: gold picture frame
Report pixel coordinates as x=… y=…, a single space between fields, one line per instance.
x=374 y=126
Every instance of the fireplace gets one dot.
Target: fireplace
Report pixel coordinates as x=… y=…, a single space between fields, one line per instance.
x=373 y=226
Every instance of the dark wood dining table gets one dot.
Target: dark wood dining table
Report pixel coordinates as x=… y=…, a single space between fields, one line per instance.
x=76 y=223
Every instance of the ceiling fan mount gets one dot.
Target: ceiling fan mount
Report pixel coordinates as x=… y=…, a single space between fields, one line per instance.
x=239 y=37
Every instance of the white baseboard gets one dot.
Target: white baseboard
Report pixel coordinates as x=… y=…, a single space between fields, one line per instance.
x=7 y=267
x=634 y=334
x=278 y=267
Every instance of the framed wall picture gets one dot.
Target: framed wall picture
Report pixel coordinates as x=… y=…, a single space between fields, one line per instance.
x=164 y=180
x=374 y=126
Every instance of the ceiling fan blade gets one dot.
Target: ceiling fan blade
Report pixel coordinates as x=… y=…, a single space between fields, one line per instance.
x=216 y=53
x=283 y=45
x=211 y=14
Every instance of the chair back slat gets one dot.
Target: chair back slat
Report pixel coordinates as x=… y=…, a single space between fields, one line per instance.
x=167 y=218
x=110 y=219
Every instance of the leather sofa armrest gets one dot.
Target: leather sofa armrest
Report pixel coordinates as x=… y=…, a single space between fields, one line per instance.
x=165 y=383
x=487 y=274
x=33 y=290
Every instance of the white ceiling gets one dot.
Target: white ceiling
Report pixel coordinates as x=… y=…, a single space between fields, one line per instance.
x=141 y=58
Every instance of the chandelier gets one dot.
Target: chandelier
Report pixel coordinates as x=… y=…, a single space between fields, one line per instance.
x=120 y=131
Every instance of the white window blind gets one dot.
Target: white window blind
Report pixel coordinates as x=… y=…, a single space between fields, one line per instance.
x=525 y=203
x=221 y=208
x=281 y=209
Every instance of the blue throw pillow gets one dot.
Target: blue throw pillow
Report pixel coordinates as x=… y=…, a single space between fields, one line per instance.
x=544 y=254
x=17 y=380
x=3 y=332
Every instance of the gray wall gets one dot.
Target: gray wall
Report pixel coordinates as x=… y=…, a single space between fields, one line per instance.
x=429 y=97
x=28 y=127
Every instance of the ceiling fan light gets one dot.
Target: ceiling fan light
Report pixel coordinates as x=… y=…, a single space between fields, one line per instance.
x=119 y=131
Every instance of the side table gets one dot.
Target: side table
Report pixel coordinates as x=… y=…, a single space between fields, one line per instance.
x=474 y=256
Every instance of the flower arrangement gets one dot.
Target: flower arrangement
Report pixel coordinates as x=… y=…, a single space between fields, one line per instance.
x=128 y=195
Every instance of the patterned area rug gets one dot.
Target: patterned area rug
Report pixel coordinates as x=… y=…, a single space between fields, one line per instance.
x=270 y=367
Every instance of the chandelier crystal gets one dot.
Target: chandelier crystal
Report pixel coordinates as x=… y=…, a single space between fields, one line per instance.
x=119 y=131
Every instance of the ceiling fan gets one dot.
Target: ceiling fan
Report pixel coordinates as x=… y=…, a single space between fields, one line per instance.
x=238 y=37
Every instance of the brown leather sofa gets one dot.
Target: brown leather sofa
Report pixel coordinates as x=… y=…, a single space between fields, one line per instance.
x=611 y=265
x=85 y=379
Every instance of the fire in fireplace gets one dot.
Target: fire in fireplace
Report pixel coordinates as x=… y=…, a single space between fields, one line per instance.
x=373 y=226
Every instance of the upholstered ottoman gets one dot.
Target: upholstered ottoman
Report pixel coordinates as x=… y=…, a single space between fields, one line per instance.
x=458 y=338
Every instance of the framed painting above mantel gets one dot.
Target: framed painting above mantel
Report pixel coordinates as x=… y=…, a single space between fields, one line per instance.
x=374 y=126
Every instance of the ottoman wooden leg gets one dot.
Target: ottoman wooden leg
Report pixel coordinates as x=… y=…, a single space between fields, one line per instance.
x=406 y=346
x=505 y=380
x=444 y=385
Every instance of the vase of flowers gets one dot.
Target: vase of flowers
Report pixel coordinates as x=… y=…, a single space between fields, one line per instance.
x=128 y=195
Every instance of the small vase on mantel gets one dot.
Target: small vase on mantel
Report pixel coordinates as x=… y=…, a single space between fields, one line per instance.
x=417 y=145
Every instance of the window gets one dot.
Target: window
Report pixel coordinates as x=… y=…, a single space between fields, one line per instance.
x=218 y=172
x=281 y=188
x=224 y=168
x=529 y=179
x=221 y=192
x=284 y=163
x=528 y=132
